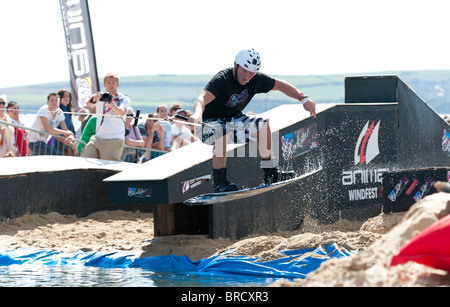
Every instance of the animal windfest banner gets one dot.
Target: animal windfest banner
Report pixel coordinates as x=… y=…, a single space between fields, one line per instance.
x=80 y=51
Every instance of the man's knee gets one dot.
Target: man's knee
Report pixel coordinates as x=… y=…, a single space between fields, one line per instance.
x=112 y=149
x=220 y=146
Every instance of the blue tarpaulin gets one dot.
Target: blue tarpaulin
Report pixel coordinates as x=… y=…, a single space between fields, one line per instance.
x=293 y=263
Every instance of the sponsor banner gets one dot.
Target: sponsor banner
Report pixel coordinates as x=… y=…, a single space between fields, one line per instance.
x=140 y=192
x=299 y=142
x=446 y=142
x=403 y=188
x=366 y=154
x=80 y=51
x=398 y=189
x=363 y=180
x=367 y=147
x=363 y=184
x=193 y=183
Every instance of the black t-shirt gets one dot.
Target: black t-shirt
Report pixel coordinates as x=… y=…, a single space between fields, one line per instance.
x=232 y=97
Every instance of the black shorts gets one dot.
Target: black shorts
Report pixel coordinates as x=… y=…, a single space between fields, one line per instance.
x=242 y=128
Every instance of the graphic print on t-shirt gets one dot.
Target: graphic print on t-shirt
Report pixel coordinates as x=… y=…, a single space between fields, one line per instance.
x=237 y=99
x=54 y=122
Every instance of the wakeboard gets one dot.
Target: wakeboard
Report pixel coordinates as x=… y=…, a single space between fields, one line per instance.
x=217 y=198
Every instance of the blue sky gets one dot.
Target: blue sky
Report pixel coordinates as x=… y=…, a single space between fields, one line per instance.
x=294 y=37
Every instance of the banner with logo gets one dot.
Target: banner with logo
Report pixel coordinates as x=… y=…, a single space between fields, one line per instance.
x=365 y=152
x=355 y=147
x=80 y=50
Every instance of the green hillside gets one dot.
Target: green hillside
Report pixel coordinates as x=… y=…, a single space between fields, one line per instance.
x=147 y=92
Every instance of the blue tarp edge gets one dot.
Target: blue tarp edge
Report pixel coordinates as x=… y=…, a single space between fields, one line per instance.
x=294 y=263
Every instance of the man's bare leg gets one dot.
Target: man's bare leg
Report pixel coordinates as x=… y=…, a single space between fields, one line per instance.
x=265 y=142
x=220 y=152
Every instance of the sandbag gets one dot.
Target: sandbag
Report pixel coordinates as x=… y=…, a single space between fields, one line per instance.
x=431 y=247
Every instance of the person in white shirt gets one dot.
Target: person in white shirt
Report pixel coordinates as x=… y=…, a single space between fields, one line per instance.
x=7 y=149
x=181 y=134
x=83 y=113
x=20 y=135
x=111 y=109
x=163 y=113
x=48 y=118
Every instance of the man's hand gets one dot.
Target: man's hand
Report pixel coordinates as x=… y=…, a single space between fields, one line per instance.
x=291 y=91
x=69 y=140
x=158 y=127
x=195 y=118
x=95 y=98
x=110 y=105
x=310 y=106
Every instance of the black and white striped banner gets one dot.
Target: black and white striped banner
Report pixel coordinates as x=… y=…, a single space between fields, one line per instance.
x=80 y=50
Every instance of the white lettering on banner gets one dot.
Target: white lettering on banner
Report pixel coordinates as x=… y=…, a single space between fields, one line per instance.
x=75 y=16
x=190 y=184
x=366 y=177
x=80 y=62
x=77 y=48
x=365 y=183
x=80 y=27
x=363 y=194
x=76 y=27
x=363 y=176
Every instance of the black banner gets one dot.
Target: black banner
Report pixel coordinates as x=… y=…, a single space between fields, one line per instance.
x=80 y=50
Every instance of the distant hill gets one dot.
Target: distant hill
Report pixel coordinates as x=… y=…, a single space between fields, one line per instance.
x=147 y=92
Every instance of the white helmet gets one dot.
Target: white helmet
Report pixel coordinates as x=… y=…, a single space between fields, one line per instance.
x=249 y=60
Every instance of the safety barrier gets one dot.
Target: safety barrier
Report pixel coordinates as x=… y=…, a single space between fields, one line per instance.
x=18 y=145
x=53 y=146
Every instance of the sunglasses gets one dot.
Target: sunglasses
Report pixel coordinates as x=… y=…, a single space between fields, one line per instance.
x=2 y=102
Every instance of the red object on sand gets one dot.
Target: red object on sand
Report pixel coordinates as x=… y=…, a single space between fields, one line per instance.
x=431 y=247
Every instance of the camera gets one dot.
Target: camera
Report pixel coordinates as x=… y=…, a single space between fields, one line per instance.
x=107 y=97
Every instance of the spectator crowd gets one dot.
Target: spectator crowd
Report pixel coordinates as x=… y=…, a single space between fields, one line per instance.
x=107 y=128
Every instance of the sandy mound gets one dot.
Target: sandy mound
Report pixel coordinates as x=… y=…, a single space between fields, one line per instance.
x=104 y=231
x=350 y=235
x=195 y=247
x=268 y=247
x=371 y=267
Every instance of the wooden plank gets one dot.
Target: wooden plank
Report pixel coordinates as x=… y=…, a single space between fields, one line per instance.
x=164 y=220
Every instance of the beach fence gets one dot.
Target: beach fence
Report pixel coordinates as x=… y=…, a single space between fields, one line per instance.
x=44 y=143
x=50 y=144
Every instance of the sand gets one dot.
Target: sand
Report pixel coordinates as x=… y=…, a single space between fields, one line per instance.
x=377 y=239
x=105 y=231
x=371 y=267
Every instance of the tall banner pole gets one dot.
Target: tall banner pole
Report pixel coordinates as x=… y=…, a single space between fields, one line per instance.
x=80 y=50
